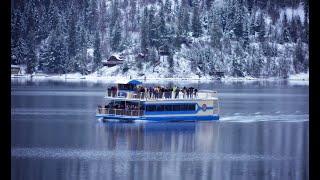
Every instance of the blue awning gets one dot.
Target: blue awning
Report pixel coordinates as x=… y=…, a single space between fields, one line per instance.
x=135 y=82
x=127 y=81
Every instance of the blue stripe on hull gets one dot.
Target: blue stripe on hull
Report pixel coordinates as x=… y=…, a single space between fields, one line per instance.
x=183 y=118
x=167 y=118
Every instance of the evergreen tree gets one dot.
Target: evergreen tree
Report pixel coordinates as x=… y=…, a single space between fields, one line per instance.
x=42 y=28
x=185 y=22
x=238 y=19
x=262 y=28
x=52 y=16
x=246 y=32
x=115 y=13
x=153 y=28
x=162 y=23
x=180 y=20
x=196 y=23
x=299 y=62
x=153 y=55
x=230 y=16
x=31 y=58
x=215 y=29
x=103 y=17
x=171 y=63
x=132 y=15
x=72 y=35
x=209 y=3
x=116 y=37
x=168 y=11
x=92 y=16
x=144 y=30
x=285 y=29
x=97 y=52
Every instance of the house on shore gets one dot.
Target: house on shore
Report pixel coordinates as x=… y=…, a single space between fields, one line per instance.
x=15 y=69
x=113 y=60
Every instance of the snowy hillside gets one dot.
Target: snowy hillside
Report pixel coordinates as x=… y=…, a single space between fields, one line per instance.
x=162 y=38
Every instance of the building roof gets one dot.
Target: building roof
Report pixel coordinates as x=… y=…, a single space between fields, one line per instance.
x=15 y=66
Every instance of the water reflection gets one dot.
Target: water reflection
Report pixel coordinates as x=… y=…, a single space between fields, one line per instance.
x=204 y=150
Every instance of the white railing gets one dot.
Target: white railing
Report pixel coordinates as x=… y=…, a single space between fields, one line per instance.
x=207 y=94
x=124 y=112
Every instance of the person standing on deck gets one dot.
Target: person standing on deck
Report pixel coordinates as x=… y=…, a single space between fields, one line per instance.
x=146 y=92
x=161 y=92
x=170 y=92
x=177 y=93
x=156 y=91
x=191 y=92
x=195 y=93
x=184 y=92
x=150 y=92
x=188 y=92
x=173 y=91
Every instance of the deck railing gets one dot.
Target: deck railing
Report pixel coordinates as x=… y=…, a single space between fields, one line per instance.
x=203 y=94
x=124 y=112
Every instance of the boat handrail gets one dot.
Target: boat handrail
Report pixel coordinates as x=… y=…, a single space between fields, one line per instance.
x=114 y=111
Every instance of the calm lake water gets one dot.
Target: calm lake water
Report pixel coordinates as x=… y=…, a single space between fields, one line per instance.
x=263 y=134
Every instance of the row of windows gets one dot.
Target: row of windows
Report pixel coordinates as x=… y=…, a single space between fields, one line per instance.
x=175 y=107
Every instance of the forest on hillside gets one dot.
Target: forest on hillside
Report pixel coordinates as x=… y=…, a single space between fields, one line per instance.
x=258 y=38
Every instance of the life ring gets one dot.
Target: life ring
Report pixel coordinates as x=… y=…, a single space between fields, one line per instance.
x=204 y=107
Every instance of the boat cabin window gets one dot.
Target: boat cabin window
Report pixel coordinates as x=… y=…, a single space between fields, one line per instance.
x=151 y=108
x=160 y=107
x=174 y=107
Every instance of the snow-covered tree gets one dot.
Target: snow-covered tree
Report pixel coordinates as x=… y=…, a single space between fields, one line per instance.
x=116 y=37
x=97 y=51
x=144 y=30
x=196 y=23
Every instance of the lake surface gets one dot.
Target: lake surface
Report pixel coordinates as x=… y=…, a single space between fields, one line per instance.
x=263 y=133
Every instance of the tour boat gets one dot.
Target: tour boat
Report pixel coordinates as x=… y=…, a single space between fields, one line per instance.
x=125 y=103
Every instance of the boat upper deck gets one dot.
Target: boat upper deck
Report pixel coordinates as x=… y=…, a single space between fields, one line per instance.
x=166 y=96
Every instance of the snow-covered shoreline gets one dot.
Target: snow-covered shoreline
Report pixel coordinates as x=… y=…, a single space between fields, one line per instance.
x=297 y=79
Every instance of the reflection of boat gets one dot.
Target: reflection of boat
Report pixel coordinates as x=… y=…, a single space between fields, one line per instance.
x=125 y=103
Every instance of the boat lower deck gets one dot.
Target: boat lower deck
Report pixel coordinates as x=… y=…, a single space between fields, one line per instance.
x=159 y=118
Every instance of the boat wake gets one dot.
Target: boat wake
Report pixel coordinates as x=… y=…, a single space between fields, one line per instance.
x=258 y=117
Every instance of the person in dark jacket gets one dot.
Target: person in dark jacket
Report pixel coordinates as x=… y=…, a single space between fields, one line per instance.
x=184 y=91
x=191 y=92
x=195 y=93
x=177 y=93
x=188 y=92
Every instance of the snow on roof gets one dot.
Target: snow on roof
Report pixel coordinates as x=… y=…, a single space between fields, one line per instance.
x=90 y=52
x=15 y=66
x=117 y=56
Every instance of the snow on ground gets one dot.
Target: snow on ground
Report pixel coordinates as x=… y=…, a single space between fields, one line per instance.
x=156 y=74
x=90 y=52
x=107 y=76
x=300 y=76
x=299 y=79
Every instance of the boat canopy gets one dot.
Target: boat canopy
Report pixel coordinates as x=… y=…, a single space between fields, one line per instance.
x=131 y=81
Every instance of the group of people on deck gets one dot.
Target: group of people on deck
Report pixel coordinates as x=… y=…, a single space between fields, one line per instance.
x=160 y=92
